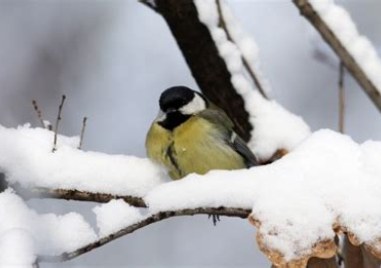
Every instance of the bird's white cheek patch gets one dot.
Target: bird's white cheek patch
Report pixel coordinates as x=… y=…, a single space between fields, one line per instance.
x=161 y=116
x=195 y=106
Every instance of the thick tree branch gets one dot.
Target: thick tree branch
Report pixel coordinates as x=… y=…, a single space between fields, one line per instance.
x=149 y=3
x=359 y=256
x=201 y=55
x=231 y=212
x=346 y=58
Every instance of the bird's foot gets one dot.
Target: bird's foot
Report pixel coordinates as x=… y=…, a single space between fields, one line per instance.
x=215 y=218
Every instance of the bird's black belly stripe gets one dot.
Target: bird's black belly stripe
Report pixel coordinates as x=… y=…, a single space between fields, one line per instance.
x=172 y=158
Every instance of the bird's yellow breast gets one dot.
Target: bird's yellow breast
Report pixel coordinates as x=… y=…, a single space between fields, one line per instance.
x=194 y=146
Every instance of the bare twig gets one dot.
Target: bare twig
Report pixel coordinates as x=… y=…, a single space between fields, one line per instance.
x=247 y=66
x=39 y=113
x=82 y=132
x=346 y=58
x=341 y=98
x=221 y=211
x=68 y=194
x=57 y=123
x=42 y=192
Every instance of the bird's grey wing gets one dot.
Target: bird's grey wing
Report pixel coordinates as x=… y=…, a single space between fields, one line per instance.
x=225 y=125
x=240 y=146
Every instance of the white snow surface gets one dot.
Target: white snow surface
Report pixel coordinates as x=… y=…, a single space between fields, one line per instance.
x=26 y=158
x=16 y=249
x=298 y=198
x=273 y=126
x=115 y=215
x=327 y=179
x=247 y=46
x=25 y=234
x=362 y=50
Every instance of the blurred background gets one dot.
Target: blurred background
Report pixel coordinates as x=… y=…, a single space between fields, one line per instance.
x=113 y=58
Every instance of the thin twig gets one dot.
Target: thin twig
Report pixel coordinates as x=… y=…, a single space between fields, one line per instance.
x=57 y=123
x=68 y=194
x=82 y=132
x=247 y=66
x=39 y=113
x=341 y=98
x=221 y=211
x=338 y=47
x=42 y=192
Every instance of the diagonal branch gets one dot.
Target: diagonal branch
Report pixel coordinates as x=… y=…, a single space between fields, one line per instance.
x=149 y=3
x=307 y=10
x=221 y=211
x=201 y=54
x=250 y=70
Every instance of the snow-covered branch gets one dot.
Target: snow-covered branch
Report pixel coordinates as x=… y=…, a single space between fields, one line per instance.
x=355 y=51
x=27 y=162
x=250 y=69
x=327 y=184
x=76 y=195
x=217 y=66
x=318 y=180
x=208 y=68
x=221 y=211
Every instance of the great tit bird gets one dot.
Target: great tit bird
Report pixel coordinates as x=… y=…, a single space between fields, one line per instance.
x=192 y=135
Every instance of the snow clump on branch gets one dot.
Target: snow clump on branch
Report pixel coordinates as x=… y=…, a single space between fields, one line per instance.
x=26 y=159
x=274 y=127
x=24 y=234
x=361 y=49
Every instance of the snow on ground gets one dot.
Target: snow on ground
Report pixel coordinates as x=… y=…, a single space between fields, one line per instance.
x=25 y=234
x=298 y=198
x=274 y=127
x=26 y=158
x=362 y=50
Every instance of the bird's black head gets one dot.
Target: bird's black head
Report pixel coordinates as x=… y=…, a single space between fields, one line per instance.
x=177 y=104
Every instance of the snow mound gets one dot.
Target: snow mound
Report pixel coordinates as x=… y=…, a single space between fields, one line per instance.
x=26 y=158
x=329 y=180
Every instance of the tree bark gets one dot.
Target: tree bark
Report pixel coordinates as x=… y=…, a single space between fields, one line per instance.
x=201 y=54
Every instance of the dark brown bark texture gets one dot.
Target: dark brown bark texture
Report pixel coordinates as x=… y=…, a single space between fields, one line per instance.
x=201 y=54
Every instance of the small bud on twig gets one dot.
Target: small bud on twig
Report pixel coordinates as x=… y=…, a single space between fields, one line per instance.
x=39 y=113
